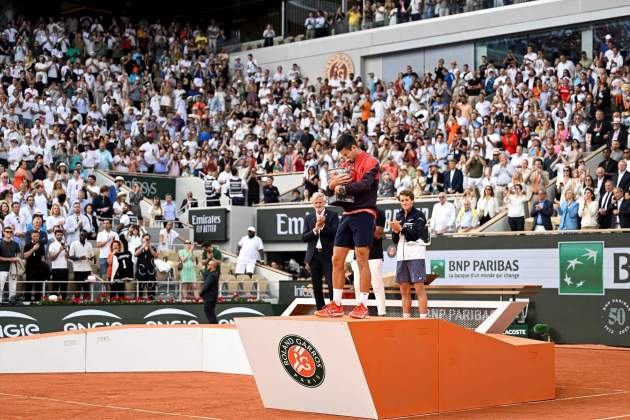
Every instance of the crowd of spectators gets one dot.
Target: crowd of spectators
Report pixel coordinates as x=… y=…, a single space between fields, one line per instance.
x=376 y=14
x=79 y=94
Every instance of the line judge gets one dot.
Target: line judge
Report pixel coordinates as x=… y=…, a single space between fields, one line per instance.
x=319 y=232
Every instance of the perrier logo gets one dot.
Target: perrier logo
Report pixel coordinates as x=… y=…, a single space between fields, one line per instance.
x=438 y=268
x=581 y=268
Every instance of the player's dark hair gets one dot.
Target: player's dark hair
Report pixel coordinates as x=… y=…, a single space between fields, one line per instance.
x=345 y=141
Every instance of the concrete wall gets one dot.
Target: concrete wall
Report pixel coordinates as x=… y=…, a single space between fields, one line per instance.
x=366 y=47
x=124 y=349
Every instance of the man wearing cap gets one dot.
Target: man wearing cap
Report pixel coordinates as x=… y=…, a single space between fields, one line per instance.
x=250 y=249
x=14 y=155
x=618 y=132
x=119 y=181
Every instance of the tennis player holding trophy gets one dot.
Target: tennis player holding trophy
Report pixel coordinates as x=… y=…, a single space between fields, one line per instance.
x=353 y=187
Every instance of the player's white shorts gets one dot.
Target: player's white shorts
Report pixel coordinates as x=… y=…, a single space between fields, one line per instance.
x=245 y=268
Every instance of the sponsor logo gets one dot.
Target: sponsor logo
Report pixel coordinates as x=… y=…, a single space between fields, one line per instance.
x=170 y=316
x=517 y=330
x=339 y=65
x=303 y=291
x=622 y=268
x=206 y=223
x=302 y=361
x=581 y=268
x=90 y=318
x=287 y=225
x=17 y=324
x=227 y=316
x=615 y=317
x=438 y=268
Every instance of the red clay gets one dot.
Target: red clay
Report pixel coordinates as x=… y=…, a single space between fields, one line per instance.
x=593 y=383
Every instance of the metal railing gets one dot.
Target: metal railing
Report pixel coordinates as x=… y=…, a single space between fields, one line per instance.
x=99 y=291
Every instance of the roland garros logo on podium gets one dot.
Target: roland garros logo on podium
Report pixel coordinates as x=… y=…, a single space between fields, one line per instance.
x=302 y=361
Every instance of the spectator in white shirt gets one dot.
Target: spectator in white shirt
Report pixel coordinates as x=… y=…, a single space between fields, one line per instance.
x=81 y=255
x=515 y=201
x=250 y=250
x=442 y=216
x=104 y=241
x=168 y=235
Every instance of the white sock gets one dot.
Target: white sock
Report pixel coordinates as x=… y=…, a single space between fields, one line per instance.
x=337 y=294
x=364 y=298
x=406 y=315
x=424 y=316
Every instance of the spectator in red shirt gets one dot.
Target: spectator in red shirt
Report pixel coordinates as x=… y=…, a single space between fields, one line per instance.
x=509 y=139
x=565 y=90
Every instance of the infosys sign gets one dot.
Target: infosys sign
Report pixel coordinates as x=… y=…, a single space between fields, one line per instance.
x=25 y=321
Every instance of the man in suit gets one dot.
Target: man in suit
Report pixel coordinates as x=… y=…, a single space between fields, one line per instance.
x=618 y=132
x=319 y=232
x=210 y=291
x=619 y=210
x=604 y=216
x=599 y=183
x=541 y=212
x=624 y=211
x=622 y=178
x=453 y=178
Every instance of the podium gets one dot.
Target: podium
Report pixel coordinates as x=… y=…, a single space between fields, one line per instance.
x=391 y=367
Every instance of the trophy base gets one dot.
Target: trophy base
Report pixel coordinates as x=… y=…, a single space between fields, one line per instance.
x=340 y=200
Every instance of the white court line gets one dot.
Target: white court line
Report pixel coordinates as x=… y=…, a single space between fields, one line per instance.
x=586 y=387
x=614 y=417
x=616 y=392
x=112 y=407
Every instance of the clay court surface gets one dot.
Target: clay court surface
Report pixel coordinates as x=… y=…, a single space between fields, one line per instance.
x=593 y=383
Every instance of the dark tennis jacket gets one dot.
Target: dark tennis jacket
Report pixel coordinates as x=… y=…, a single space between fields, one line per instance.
x=365 y=173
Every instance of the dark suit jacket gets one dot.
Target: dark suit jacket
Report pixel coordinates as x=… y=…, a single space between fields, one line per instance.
x=624 y=214
x=625 y=181
x=457 y=183
x=440 y=180
x=610 y=166
x=605 y=220
x=210 y=290
x=327 y=234
x=622 y=137
x=545 y=214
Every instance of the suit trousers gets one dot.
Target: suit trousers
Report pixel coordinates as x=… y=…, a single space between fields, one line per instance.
x=209 y=309
x=321 y=267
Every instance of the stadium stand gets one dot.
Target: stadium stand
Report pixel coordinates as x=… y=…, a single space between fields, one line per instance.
x=81 y=95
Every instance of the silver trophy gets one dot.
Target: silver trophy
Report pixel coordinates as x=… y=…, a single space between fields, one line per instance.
x=339 y=199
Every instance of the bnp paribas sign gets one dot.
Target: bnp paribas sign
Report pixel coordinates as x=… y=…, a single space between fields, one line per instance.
x=581 y=267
